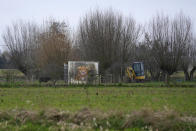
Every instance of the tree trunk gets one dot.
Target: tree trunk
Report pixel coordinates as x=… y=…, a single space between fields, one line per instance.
x=54 y=83
x=167 y=78
x=186 y=75
x=192 y=73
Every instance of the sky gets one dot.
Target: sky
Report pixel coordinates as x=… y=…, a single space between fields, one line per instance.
x=73 y=10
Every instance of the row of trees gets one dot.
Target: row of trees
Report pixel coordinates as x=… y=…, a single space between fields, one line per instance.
x=39 y=51
x=171 y=46
x=165 y=45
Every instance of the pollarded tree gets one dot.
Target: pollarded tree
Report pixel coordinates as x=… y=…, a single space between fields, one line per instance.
x=107 y=37
x=169 y=39
x=21 y=39
x=188 y=62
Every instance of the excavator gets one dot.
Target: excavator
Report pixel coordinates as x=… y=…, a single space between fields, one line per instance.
x=136 y=72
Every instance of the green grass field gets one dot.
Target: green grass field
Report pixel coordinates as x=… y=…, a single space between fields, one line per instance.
x=26 y=105
x=182 y=100
x=92 y=108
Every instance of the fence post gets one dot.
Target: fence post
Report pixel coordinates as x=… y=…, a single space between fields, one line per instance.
x=99 y=79
x=112 y=78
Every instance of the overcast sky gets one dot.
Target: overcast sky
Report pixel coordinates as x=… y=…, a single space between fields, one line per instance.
x=73 y=10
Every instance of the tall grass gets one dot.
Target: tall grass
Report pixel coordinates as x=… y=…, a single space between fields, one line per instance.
x=87 y=119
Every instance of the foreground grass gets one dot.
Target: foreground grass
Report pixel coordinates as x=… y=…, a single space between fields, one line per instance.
x=124 y=99
x=86 y=119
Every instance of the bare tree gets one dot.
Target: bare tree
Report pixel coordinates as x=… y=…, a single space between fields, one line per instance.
x=21 y=40
x=107 y=37
x=169 y=40
x=188 y=62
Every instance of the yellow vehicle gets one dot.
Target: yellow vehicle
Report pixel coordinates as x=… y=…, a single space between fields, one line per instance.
x=136 y=71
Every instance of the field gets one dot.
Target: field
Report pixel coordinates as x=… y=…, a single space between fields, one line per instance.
x=123 y=99
x=109 y=100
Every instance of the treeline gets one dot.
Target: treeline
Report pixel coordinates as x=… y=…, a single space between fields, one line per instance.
x=165 y=45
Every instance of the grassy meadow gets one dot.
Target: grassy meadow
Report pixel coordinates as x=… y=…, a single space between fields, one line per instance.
x=92 y=108
x=137 y=106
x=125 y=99
x=31 y=106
